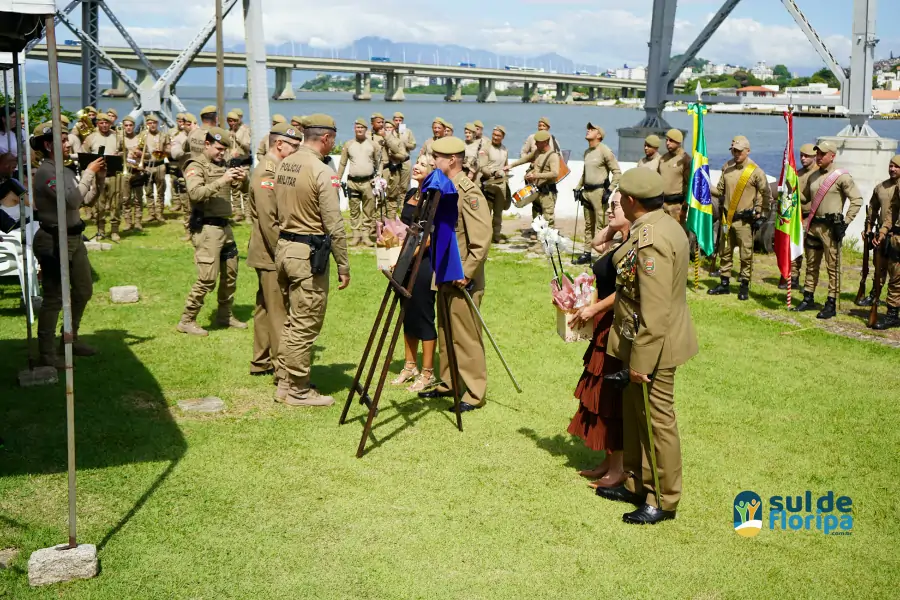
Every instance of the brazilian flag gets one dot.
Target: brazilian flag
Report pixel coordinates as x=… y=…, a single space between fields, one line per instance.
x=699 y=194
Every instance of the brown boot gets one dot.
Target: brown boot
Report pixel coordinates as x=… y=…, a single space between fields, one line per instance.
x=281 y=392
x=114 y=234
x=308 y=397
x=367 y=242
x=189 y=326
x=231 y=322
x=52 y=360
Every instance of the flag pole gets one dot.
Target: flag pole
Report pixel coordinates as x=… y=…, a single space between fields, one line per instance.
x=790 y=115
x=694 y=151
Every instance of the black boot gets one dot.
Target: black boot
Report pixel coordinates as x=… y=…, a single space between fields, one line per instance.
x=721 y=289
x=829 y=310
x=867 y=301
x=782 y=284
x=808 y=302
x=584 y=259
x=744 y=291
x=795 y=283
x=891 y=319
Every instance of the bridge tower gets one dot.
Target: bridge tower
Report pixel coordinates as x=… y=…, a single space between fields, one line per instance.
x=90 y=61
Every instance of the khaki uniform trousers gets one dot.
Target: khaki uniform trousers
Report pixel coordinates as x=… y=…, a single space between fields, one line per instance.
x=307 y=301
x=676 y=211
x=395 y=194
x=666 y=442
x=109 y=204
x=818 y=242
x=268 y=322
x=156 y=201
x=132 y=202
x=46 y=249
x=240 y=196
x=405 y=178
x=362 y=207
x=467 y=344
x=796 y=265
x=180 y=201
x=498 y=199
x=545 y=204
x=740 y=237
x=215 y=255
x=595 y=214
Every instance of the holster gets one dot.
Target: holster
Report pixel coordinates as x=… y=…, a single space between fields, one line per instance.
x=229 y=250
x=549 y=188
x=195 y=222
x=838 y=227
x=320 y=246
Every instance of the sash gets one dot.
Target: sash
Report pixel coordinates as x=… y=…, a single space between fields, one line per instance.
x=737 y=193
x=823 y=190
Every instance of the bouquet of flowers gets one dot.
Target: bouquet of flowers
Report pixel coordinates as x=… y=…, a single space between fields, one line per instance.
x=390 y=233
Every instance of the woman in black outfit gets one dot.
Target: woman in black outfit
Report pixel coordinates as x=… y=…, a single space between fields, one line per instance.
x=418 y=320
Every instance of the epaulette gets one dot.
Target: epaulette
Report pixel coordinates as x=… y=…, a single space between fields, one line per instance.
x=645 y=237
x=271 y=166
x=465 y=184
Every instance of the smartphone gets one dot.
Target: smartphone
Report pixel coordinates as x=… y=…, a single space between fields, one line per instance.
x=102 y=150
x=402 y=127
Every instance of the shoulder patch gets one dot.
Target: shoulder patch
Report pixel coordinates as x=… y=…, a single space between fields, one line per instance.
x=190 y=173
x=645 y=237
x=335 y=181
x=649 y=265
x=267 y=184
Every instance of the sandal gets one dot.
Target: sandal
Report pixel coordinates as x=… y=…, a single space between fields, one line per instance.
x=424 y=381
x=409 y=372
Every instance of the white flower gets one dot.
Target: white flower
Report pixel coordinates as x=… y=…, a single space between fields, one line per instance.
x=539 y=224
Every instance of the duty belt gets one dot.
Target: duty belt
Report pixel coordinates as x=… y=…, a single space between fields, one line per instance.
x=53 y=230
x=216 y=221
x=303 y=238
x=395 y=167
x=590 y=187
x=829 y=218
x=673 y=199
x=360 y=179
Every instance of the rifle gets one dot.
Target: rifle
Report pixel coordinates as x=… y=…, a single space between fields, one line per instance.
x=867 y=248
x=880 y=259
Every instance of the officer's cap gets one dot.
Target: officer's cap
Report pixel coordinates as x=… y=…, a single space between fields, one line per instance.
x=179 y=116
x=219 y=135
x=104 y=117
x=826 y=147
x=239 y=112
x=675 y=135
x=127 y=119
x=64 y=119
x=297 y=119
x=278 y=118
x=598 y=128
x=320 y=120
x=209 y=110
x=399 y=115
x=545 y=121
x=190 y=118
x=449 y=145
x=808 y=150
x=641 y=183
x=500 y=128
x=112 y=111
x=377 y=116
x=362 y=122
x=740 y=142
x=652 y=141
x=896 y=160
x=470 y=127
x=43 y=129
x=478 y=124
x=232 y=115
x=151 y=119
x=541 y=136
x=287 y=131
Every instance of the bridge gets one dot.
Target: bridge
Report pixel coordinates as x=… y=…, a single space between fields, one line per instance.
x=394 y=74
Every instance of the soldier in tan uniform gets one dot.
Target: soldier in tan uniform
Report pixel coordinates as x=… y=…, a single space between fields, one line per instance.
x=107 y=205
x=829 y=189
x=113 y=115
x=215 y=253
x=309 y=218
x=437 y=132
x=180 y=153
x=132 y=195
x=807 y=168
x=271 y=299
x=195 y=146
x=675 y=168
x=888 y=241
x=494 y=182
x=448 y=129
x=543 y=173
x=878 y=208
x=652 y=334
x=395 y=157
x=474 y=155
x=601 y=172
x=651 y=153
x=264 y=143
x=473 y=236
x=46 y=243
x=156 y=145
x=479 y=129
x=744 y=195
x=530 y=145
x=240 y=148
x=361 y=157
x=180 y=202
x=409 y=142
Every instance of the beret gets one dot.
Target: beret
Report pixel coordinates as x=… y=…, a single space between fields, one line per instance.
x=826 y=147
x=239 y=112
x=447 y=125
x=675 y=135
x=640 y=183
x=500 y=128
x=232 y=115
x=449 y=145
x=362 y=122
x=478 y=124
x=112 y=111
x=190 y=118
x=808 y=149
x=104 y=117
x=127 y=119
x=652 y=141
x=377 y=116
x=43 y=129
x=151 y=119
x=179 y=116
x=278 y=118
x=541 y=136
x=208 y=110
x=470 y=127
x=545 y=121
x=399 y=115
x=896 y=160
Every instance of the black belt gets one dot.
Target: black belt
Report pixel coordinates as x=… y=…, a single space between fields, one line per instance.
x=673 y=199
x=895 y=230
x=216 y=221
x=588 y=187
x=395 y=167
x=77 y=229
x=829 y=218
x=360 y=179
x=154 y=163
x=304 y=238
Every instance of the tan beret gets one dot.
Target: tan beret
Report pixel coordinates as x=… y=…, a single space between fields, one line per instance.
x=89 y=109
x=277 y=118
x=233 y=115
x=151 y=119
x=826 y=147
x=653 y=141
x=64 y=119
x=287 y=131
x=541 y=136
x=190 y=118
x=439 y=120
x=675 y=135
x=179 y=116
x=641 y=183
x=377 y=116
x=239 y=112
x=361 y=121
x=808 y=150
x=220 y=135
x=128 y=119
x=470 y=127
x=500 y=128
x=297 y=119
x=478 y=124
x=449 y=145
x=208 y=110
x=740 y=142
x=104 y=117
x=399 y=115
x=112 y=111
x=320 y=120
x=545 y=121
x=896 y=160
x=448 y=125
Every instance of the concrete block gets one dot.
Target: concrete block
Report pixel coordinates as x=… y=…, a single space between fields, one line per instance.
x=93 y=246
x=210 y=404
x=124 y=294
x=7 y=556
x=61 y=563
x=38 y=376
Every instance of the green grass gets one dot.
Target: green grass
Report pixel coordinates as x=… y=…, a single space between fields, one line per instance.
x=267 y=501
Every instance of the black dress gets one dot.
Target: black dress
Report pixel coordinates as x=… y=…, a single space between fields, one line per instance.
x=418 y=320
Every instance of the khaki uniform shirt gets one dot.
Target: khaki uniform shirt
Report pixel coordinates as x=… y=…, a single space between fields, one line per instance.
x=530 y=146
x=496 y=157
x=473 y=229
x=109 y=142
x=176 y=149
x=263 y=216
x=599 y=162
x=196 y=142
x=74 y=142
x=306 y=191
x=844 y=189
x=262 y=149
x=426 y=150
x=675 y=168
x=77 y=193
x=131 y=148
x=756 y=195
x=544 y=167
x=650 y=163
x=474 y=158
x=394 y=150
x=890 y=217
x=204 y=188
x=651 y=297
x=157 y=146
x=241 y=142
x=803 y=176
x=408 y=139
x=880 y=204
x=364 y=158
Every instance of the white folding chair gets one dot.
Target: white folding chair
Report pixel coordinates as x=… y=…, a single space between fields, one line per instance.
x=11 y=263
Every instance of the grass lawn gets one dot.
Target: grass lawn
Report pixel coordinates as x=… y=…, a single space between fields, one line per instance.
x=267 y=501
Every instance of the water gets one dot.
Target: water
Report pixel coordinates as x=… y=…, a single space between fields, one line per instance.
x=766 y=134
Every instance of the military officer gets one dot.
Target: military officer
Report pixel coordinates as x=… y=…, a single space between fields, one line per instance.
x=180 y=202
x=297 y=123
x=437 y=132
x=744 y=196
x=494 y=181
x=601 y=172
x=196 y=142
x=132 y=198
x=180 y=153
x=240 y=148
x=888 y=241
x=107 y=204
x=479 y=129
x=530 y=144
x=363 y=157
x=395 y=157
x=830 y=188
x=652 y=334
x=264 y=143
x=156 y=144
x=675 y=168
x=473 y=236
x=474 y=155
x=310 y=227
x=651 y=153
x=807 y=168
x=46 y=243
x=113 y=115
x=448 y=129
x=543 y=173
x=409 y=142
x=209 y=185
x=879 y=206
x=271 y=299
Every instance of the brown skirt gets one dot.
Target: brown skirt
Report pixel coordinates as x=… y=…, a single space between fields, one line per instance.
x=598 y=420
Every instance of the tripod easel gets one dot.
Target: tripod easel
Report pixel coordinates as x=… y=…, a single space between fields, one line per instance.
x=414 y=245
